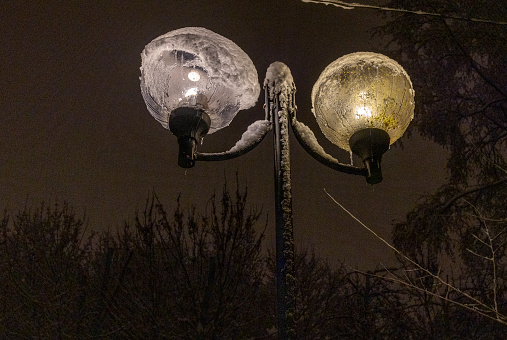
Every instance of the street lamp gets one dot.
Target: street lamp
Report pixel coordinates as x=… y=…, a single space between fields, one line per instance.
x=363 y=102
x=194 y=81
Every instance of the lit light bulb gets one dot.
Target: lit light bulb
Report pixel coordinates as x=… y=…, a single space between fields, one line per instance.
x=196 y=68
x=194 y=76
x=363 y=111
x=361 y=91
x=191 y=92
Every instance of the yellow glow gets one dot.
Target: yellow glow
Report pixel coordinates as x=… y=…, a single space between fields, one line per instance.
x=363 y=111
x=359 y=91
x=194 y=76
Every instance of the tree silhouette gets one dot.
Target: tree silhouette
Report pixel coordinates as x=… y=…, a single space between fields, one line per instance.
x=458 y=68
x=44 y=274
x=459 y=73
x=451 y=247
x=185 y=275
x=180 y=275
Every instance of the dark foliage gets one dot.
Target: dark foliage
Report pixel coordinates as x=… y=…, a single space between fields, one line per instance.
x=459 y=71
x=178 y=276
x=185 y=275
x=44 y=273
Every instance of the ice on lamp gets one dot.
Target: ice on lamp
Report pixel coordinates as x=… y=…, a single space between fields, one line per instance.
x=193 y=66
x=360 y=91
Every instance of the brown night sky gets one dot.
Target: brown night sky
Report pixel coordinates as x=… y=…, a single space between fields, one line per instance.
x=75 y=127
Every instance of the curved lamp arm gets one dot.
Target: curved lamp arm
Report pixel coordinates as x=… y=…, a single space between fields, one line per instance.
x=252 y=137
x=307 y=139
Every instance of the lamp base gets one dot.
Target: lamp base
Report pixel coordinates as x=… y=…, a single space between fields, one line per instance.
x=370 y=144
x=190 y=125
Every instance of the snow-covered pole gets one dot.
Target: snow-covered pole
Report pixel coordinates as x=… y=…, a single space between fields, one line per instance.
x=279 y=105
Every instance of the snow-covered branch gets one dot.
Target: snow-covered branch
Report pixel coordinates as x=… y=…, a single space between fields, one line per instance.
x=307 y=140
x=352 y=5
x=450 y=202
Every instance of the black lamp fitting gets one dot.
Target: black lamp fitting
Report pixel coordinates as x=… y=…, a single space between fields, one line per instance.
x=370 y=144
x=190 y=125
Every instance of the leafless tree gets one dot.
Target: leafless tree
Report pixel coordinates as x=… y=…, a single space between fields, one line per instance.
x=44 y=277
x=186 y=275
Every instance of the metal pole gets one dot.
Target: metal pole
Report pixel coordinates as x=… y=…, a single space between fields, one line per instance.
x=278 y=113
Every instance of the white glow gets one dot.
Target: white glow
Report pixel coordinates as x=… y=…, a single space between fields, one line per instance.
x=225 y=78
x=194 y=76
x=363 y=111
x=191 y=92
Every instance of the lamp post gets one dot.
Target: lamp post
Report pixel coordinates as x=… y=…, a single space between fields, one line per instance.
x=194 y=81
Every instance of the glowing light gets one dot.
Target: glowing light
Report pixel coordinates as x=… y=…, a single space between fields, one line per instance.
x=224 y=77
x=191 y=92
x=194 y=76
x=363 y=111
x=360 y=91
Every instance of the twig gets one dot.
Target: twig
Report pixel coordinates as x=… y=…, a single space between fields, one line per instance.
x=471 y=191
x=500 y=318
x=492 y=259
x=352 y=5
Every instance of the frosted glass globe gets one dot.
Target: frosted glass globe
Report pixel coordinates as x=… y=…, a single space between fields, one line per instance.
x=195 y=67
x=359 y=91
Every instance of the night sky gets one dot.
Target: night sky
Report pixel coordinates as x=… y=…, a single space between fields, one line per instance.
x=75 y=127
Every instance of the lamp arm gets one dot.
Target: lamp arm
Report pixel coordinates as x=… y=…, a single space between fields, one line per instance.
x=252 y=137
x=307 y=139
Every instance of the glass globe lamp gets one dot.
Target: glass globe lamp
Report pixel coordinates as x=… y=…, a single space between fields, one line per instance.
x=363 y=102
x=194 y=82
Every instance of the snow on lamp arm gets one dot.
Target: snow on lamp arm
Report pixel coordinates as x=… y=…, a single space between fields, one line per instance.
x=194 y=81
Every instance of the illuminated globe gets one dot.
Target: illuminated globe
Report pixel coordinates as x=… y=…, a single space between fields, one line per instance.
x=363 y=91
x=196 y=68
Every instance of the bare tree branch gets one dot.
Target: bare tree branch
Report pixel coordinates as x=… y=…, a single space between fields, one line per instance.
x=352 y=5
x=470 y=191
x=485 y=308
